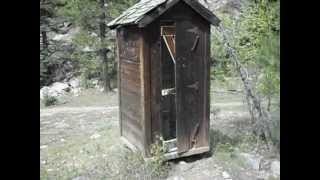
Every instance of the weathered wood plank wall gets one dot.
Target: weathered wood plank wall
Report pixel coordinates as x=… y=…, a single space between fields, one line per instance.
x=196 y=129
x=131 y=111
x=139 y=53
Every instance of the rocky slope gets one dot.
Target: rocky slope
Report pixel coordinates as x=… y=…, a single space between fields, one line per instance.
x=223 y=6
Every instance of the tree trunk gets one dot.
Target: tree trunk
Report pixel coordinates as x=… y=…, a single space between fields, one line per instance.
x=269 y=103
x=263 y=119
x=44 y=37
x=103 y=50
x=115 y=65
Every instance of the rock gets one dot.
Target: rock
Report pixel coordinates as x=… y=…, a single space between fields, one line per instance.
x=275 y=168
x=44 y=91
x=80 y=178
x=59 y=87
x=74 y=83
x=75 y=86
x=68 y=36
x=55 y=90
x=67 y=24
x=43 y=147
x=88 y=49
x=95 y=136
x=101 y=89
x=252 y=160
x=265 y=165
x=175 y=178
x=94 y=34
x=225 y=175
x=95 y=83
x=76 y=92
x=230 y=6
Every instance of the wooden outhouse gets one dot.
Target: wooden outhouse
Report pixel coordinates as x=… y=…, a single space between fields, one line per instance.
x=163 y=75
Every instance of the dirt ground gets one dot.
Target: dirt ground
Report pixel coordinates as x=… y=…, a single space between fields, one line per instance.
x=79 y=139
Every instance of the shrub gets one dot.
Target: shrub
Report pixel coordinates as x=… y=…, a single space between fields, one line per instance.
x=248 y=141
x=157 y=165
x=224 y=147
x=50 y=100
x=132 y=165
x=86 y=83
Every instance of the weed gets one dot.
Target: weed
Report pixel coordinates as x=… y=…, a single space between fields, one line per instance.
x=157 y=165
x=86 y=83
x=248 y=141
x=43 y=174
x=132 y=165
x=49 y=100
x=227 y=148
x=273 y=178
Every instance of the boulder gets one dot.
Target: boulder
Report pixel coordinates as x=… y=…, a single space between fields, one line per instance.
x=88 y=49
x=76 y=91
x=175 y=178
x=74 y=83
x=225 y=175
x=55 y=90
x=44 y=91
x=68 y=36
x=59 y=87
x=75 y=86
x=275 y=168
x=80 y=178
x=253 y=161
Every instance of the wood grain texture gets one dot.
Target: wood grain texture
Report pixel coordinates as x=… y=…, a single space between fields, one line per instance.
x=155 y=72
x=141 y=81
x=131 y=111
x=146 y=100
x=190 y=76
x=119 y=79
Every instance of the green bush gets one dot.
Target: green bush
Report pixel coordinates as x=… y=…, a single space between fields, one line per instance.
x=86 y=83
x=50 y=100
x=248 y=141
x=157 y=165
x=132 y=165
x=224 y=147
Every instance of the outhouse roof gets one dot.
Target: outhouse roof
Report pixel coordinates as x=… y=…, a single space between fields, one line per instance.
x=145 y=11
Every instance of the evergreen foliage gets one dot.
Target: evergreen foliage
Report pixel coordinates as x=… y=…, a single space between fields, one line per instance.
x=256 y=36
x=85 y=48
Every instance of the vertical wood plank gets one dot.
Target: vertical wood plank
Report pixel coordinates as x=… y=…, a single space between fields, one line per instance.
x=145 y=89
x=142 y=84
x=208 y=82
x=154 y=31
x=131 y=95
x=119 y=80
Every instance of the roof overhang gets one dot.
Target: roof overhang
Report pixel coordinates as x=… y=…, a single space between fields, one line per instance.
x=163 y=5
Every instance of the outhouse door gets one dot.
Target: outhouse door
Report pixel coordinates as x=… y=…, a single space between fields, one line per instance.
x=188 y=84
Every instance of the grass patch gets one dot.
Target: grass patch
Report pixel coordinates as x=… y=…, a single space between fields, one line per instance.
x=132 y=165
x=96 y=159
x=227 y=148
x=273 y=178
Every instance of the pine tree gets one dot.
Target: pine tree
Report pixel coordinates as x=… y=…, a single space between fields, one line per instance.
x=91 y=16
